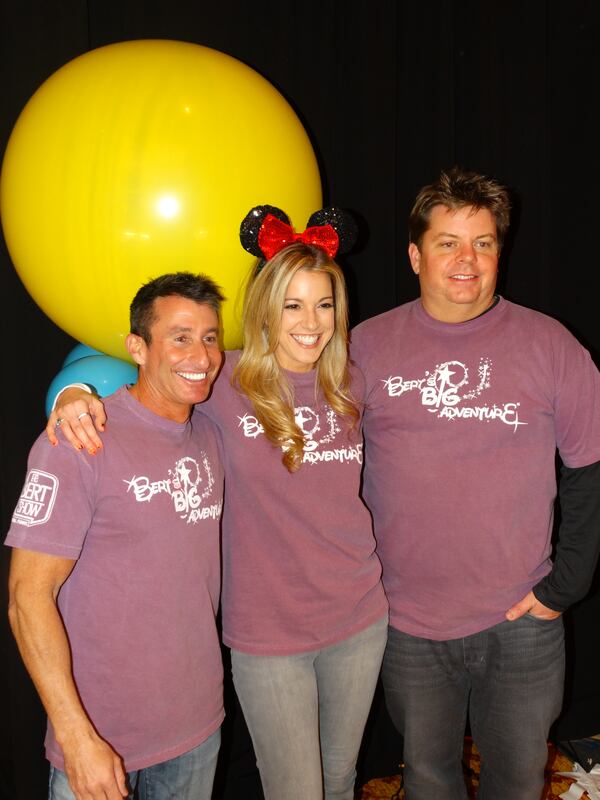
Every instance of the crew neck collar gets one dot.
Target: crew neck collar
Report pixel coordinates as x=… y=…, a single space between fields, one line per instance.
x=487 y=317
x=144 y=413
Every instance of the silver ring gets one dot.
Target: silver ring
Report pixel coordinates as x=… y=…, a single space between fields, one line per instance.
x=83 y=414
x=58 y=423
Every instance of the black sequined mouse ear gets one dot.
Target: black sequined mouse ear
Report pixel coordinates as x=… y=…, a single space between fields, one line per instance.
x=251 y=224
x=341 y=221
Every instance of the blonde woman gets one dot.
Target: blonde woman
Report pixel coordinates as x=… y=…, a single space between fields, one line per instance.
x=303 y=608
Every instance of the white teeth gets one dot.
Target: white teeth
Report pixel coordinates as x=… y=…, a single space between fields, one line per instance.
x=308 y=340
x=193 y=376
x=463 y=277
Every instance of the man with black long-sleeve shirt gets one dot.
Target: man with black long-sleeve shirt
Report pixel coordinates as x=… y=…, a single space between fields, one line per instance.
x=469 y=398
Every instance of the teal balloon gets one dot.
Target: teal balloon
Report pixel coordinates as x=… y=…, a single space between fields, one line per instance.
x=105 y=373
x=81 y=351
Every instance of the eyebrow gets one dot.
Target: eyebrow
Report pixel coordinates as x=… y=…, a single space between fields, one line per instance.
x=300 y=300
x=184 y=329
x=444 y=235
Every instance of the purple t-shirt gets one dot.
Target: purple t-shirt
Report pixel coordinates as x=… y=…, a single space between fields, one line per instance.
x=141 y=519
x=461 y=429
x=299 y=564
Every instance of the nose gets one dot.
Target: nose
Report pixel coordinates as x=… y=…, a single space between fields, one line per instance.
x=201 y=356
x=467 y=252
x=310 y=319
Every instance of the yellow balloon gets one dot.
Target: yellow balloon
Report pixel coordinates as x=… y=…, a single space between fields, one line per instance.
x=142 y=158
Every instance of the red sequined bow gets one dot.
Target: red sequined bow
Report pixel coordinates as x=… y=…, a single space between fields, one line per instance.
x=274 y=235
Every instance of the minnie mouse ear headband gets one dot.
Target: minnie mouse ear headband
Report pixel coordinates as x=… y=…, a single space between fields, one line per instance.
x=265 y=230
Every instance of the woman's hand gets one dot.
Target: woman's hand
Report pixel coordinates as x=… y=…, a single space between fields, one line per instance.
x=79 y=416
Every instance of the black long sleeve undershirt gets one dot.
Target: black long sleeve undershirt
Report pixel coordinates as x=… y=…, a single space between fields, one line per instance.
x=578 y=543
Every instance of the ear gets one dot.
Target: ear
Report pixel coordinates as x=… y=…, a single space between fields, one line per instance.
x=251 y=225
x=415 y=257
x=137 y=348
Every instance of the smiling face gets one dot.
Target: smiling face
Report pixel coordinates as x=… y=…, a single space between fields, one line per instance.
x=307 y=321
x=179 y=364
x=457 y=263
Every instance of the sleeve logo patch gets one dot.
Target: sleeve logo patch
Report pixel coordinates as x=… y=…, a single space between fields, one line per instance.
x=37 y=499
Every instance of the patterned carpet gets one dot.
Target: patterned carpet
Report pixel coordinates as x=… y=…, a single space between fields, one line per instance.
x=387 y=788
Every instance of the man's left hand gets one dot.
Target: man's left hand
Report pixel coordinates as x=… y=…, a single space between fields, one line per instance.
x=530 y=604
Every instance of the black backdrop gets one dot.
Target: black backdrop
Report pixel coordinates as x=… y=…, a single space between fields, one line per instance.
x=390 y=91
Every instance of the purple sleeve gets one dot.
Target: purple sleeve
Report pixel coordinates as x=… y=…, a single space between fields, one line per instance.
x=55 y=507
x=576 y=404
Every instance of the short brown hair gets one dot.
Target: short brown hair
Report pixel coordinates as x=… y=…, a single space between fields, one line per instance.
x=456 y=188
x=199 y=288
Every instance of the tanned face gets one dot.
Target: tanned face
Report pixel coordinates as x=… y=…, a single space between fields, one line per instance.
x=457 y=263
x=177 y=368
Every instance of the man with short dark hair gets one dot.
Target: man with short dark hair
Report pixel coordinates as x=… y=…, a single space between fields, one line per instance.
x=469 y=398
x=115 y=570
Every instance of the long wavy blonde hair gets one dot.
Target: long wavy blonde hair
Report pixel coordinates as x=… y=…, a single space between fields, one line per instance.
x=258 y=374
